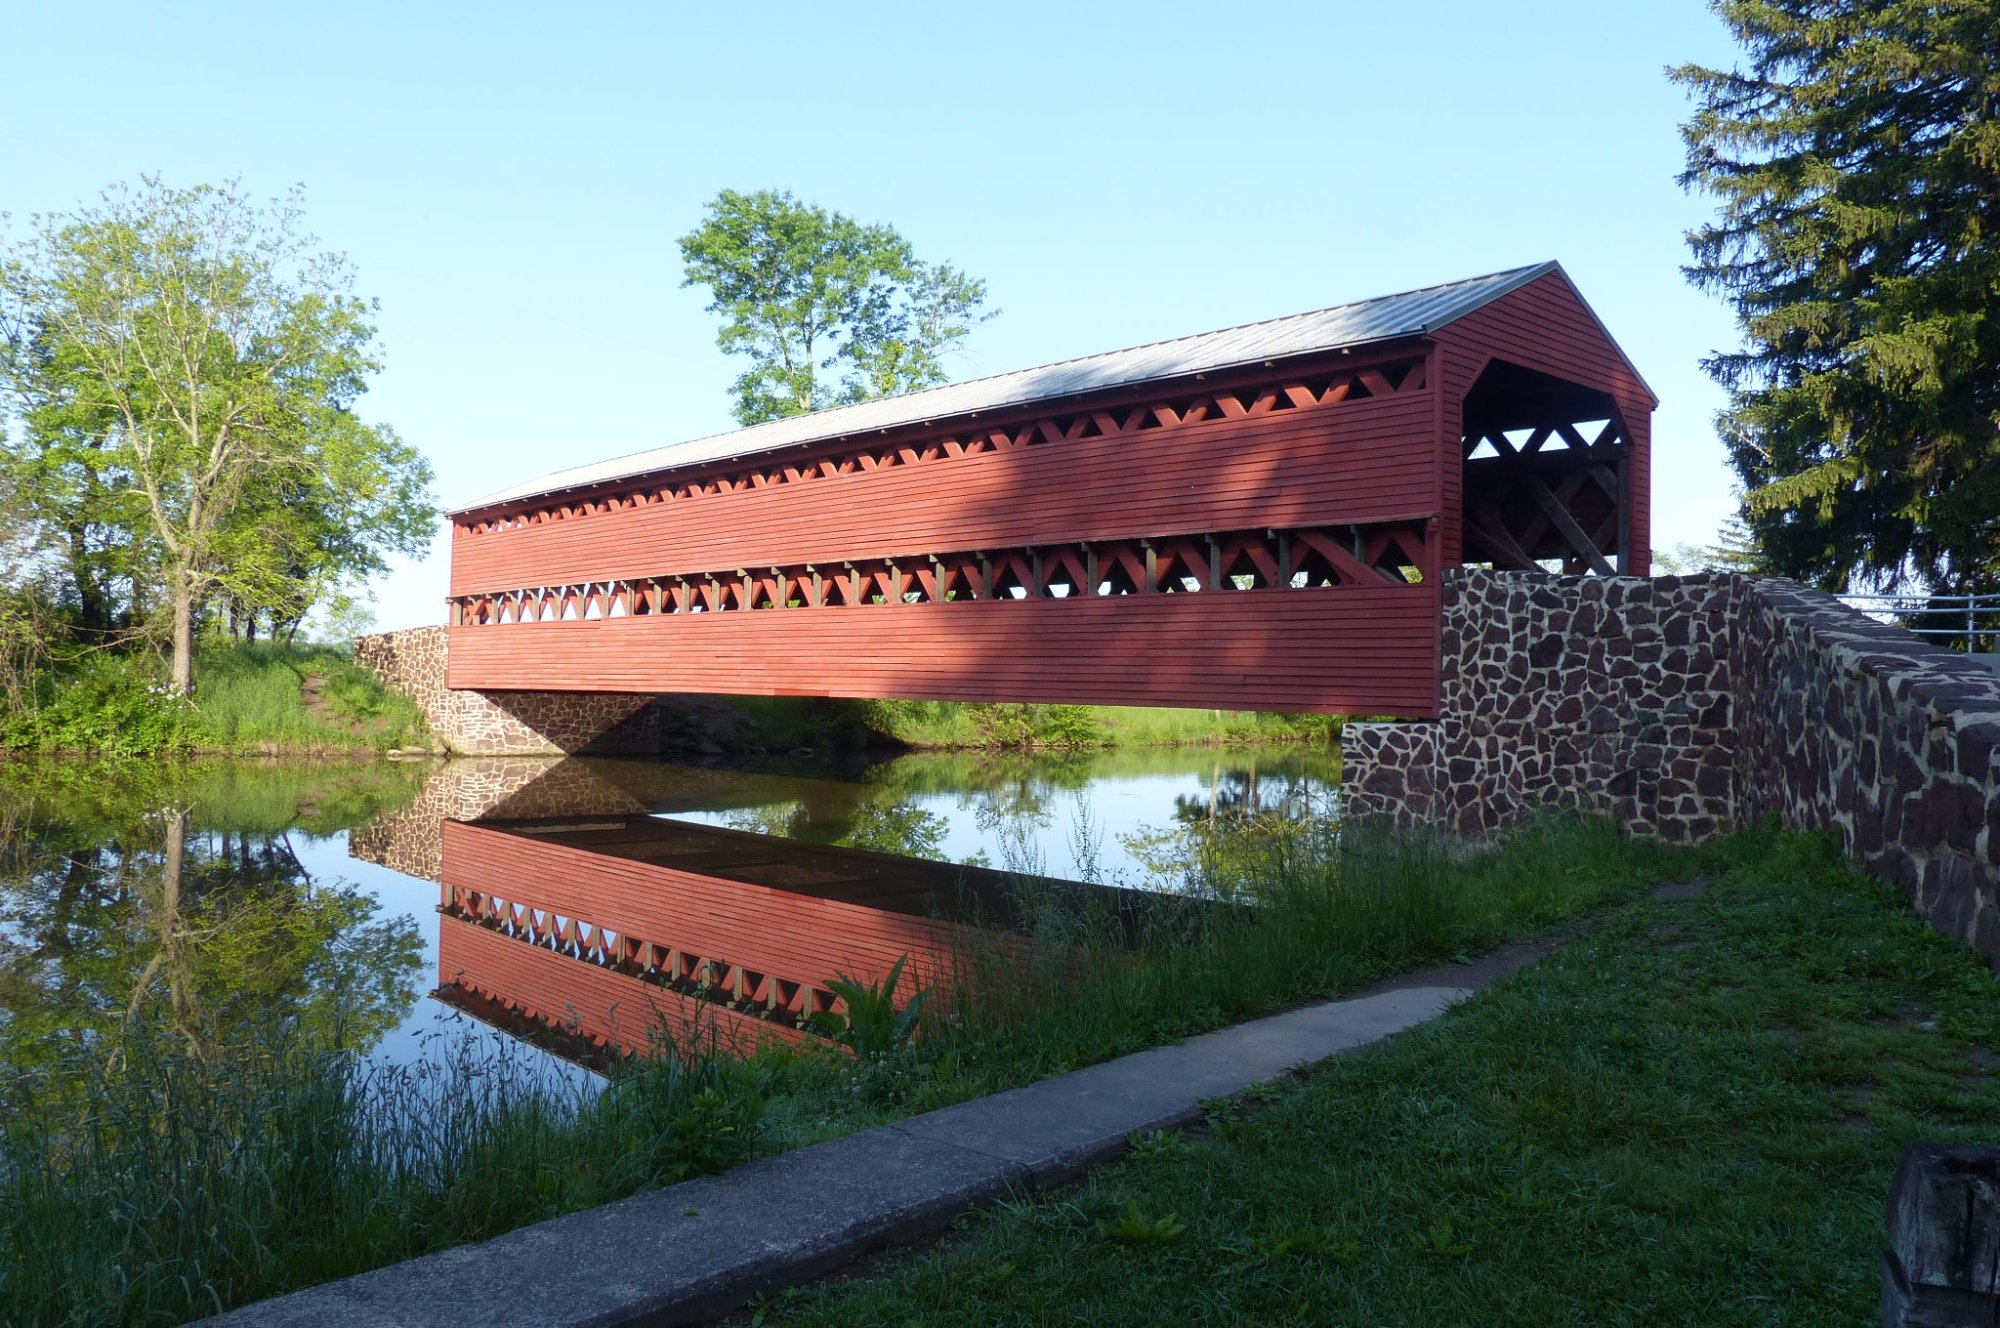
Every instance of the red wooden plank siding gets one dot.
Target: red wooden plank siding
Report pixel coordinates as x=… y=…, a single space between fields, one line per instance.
x=1334 y=650
x=1355 y=461
x=1275 y=453
x=798 y=937
x=1545 y=326
x=611 y=1008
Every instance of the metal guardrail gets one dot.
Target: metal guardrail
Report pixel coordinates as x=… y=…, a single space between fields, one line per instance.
x=1973 y=619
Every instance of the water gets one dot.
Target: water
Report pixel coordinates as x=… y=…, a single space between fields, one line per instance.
x=583 y=902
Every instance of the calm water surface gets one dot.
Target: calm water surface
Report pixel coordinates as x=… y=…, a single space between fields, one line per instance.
x=244 y=897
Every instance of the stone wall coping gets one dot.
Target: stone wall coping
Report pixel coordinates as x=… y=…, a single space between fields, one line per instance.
x=1914 y=669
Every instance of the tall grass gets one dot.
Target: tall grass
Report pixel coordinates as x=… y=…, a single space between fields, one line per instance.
x=158 y=1185
x=163 y=1181
x=1310 y=912
x=948 y=724
x=248 y=699
x=253 y=696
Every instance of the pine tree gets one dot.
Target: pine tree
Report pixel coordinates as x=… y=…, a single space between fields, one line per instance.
x=1857 y=162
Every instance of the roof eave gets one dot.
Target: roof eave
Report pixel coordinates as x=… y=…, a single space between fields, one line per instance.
x=1420 y=333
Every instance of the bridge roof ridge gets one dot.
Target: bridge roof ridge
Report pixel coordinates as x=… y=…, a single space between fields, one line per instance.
x=1355 y=323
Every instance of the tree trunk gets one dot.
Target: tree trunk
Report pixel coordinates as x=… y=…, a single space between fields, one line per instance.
x=170 y=915
x=181 y=666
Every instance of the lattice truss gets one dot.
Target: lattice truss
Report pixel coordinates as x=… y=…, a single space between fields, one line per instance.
x=1190 y=409
x=1548 y=492
x=1315 y=558
x=707 y=978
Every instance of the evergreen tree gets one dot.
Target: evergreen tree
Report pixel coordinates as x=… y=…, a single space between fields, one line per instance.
x=1857 y=160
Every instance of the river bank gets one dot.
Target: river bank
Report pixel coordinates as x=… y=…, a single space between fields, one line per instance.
x=1691 y=1115
x=265 y=700
x=236 y=968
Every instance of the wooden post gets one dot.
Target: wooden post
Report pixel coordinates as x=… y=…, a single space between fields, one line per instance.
x=1942 y=1267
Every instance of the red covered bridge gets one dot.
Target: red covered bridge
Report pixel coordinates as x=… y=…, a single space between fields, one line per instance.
x=1256 y=518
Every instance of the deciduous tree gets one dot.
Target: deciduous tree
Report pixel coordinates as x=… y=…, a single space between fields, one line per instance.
x=1856 y=154
x=207 y=357
x=828 y=310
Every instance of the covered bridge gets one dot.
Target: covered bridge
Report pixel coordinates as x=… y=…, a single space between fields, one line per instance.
x=1255 y=518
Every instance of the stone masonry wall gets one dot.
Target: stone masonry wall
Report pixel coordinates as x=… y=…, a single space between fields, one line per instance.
x=1860 y=728
x=1610 y=694
x=506 y=723
x=1684 y=705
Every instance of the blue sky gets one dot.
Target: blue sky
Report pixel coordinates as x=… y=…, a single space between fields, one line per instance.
x=509 y=180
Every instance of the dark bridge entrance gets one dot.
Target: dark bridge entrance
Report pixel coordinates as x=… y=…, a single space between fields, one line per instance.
x=1256 y=518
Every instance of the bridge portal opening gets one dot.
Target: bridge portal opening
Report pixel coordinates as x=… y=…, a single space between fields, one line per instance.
x=1546 y=483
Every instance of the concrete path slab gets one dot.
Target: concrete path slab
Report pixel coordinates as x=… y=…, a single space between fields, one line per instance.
x=693 y=1251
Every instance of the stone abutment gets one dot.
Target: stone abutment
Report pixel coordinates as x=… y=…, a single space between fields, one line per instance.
x=473 y=723
x=1685 y=705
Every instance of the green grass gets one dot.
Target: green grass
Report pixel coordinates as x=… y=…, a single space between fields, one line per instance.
x=782 y=723
x=249 y=699
x=161 y=1178
x=1688 y=1116
x=252 y=697
x=156 y=1189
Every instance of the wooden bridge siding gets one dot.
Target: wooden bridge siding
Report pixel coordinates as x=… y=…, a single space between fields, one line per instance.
x=1347 y=649
x=1543 y=326
x=798 y=937
x=607 y=1006
x=1354 y=461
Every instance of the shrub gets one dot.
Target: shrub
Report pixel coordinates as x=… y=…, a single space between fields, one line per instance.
x=110 y=704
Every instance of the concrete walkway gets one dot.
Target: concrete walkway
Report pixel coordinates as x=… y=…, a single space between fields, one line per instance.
x=694 y=1251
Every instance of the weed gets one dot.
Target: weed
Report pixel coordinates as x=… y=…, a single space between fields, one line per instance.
x=1157 y=1144
x=872 y=1024
x=1136 y=1227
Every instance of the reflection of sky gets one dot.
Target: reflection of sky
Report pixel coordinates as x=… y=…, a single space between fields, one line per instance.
x=326 y=860
x=1110 y=808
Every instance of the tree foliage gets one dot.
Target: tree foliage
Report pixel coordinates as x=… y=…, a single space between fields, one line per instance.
x=1856 y=156
x=828 y=310
x=184 y=366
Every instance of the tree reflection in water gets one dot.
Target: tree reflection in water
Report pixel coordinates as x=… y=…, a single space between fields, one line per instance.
x=1047 y=814
x=136 y=900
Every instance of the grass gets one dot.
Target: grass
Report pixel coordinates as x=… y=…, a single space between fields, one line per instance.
x=250 y=699
x=1688 y=1116
x=156 y=1190
x=163 y=1178
x=782 y=723
x=253 y=698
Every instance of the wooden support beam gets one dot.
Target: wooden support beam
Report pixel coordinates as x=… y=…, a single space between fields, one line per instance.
x=1486 y=522
x=1560 y=517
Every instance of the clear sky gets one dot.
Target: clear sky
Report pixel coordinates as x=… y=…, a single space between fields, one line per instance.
x=509 y=180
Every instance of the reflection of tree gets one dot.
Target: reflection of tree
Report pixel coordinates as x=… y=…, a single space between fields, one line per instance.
x=217 y=937
x=871 y=822
x=1239 y=794
x=1224 y=840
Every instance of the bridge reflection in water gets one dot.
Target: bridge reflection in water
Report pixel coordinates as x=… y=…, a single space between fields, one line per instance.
x=601 y=928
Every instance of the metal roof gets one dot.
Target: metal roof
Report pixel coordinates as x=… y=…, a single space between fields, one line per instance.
x=1384 y=318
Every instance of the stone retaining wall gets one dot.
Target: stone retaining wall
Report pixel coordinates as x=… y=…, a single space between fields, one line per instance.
x=507 y=723
x=1684 y=705
x=1611 y=694
x=1853 y=726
